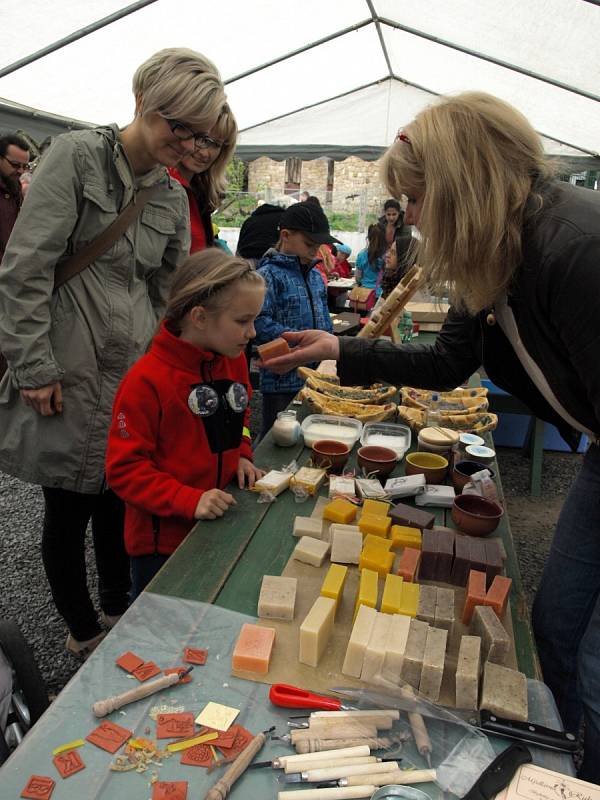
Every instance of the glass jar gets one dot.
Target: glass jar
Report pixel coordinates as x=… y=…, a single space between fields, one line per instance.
x=286 y=429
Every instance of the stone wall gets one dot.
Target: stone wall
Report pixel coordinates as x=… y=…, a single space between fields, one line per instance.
x=355 y=176
x=314 y=177
x=265 y=174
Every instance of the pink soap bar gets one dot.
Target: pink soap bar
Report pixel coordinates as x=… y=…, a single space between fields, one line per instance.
x=409 y=561
x=497 y=596
x=252 y=651
x=476 y=591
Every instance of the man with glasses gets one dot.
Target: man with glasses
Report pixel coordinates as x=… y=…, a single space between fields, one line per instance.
x=14 y=161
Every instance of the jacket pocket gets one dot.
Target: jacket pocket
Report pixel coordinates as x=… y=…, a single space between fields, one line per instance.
x=156 y=227
x=99 y=210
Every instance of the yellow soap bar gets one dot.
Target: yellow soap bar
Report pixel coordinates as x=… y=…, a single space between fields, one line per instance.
x=376 y=507
x=333 y=585
x=377 y=559
x=376 y=541
x=309 y=479
x=409 y=601
x=378 y=526
x=340 y=510
x=392 y=594
x=368 y=589
x=403 y=536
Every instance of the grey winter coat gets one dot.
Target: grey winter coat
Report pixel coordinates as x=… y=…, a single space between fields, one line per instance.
x=88 y=333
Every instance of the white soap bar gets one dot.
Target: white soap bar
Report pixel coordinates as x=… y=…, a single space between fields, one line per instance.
x=441 y=496
x=277 y=597
x=444 y=609
x=308 y=526
x=404 y=486
x=274 y=482
x=504 y=692
x=414 y=652
x=346 y=546
x=395 y=647
x=311 y=551
x=433 y=663
x=339 y=486
x=376 y=647
x=359 y=639
x=316 y=630
x=467 y=672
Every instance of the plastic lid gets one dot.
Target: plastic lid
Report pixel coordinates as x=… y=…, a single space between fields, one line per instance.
x=439 y=436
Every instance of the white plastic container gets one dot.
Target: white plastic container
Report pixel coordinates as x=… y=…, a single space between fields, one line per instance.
x=323 y=426
x=387 y=434
x=476 y=452
x=286 y=429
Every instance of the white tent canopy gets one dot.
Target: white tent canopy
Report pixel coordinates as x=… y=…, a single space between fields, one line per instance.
x=317 y=77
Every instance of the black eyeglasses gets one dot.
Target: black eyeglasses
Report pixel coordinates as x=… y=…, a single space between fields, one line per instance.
x=17 y=164
x=201 y=140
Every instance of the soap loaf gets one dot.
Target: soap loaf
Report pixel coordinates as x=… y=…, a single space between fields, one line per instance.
x=396 y=647
x=495 y=641
x=504 y=692
x=434 y=657
x=444 y=609
x=376 y=647
x=467 y=672
x=359 y=639
x=412 y=664
x=427 y=602
x=316 y=631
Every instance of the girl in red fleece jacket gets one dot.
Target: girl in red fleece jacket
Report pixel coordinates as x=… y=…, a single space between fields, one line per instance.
x=179 y=432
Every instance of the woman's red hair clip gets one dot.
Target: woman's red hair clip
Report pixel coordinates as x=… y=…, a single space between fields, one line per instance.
x=402 y=137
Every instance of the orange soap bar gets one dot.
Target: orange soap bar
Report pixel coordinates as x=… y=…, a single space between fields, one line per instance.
x=475 y=595
x=409 y=562
x=252 y=651
x=497 y=596
x=277 y=347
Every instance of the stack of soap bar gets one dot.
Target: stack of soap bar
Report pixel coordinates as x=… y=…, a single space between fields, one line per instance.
x=252 y=651
x=412 y=663
x=341 y=486
x=475 y=595
x=333 y=585
x=274 y=482
x=403 y=536
x=359 y=639
x=376 y=647
x=427 y=602
x=311 y=551
x=395 y=648
x=495 y=641
x=497 y=595
x=376 y=507
x=494 y=560
x=477 y=554
x=340 y=510
x=346 y=545
x=316 y=630
x=308 y=479
x=461 y=566
x=374 y=524
x=391 y=599
x=277 y=597
x=467 y=672
x=428 y=566
x=409 y=601
x=504 y=692
x=368 y=588
x=409 y=563
x=444 y=608
x=445 y=555
x=434 y=657
x=401 y=514
x=308 y=526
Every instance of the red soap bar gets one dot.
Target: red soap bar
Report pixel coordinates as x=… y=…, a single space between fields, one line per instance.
x=68 y=763
x=409 y=562
x=475 y=596
x=129 y=662
x=497 y=596
x=39 y=787
x=277 y=347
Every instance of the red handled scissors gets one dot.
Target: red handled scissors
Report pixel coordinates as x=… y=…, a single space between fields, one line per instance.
x=281 y=694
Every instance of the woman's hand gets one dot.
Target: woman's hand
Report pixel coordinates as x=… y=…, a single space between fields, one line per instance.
x=307 y=346
x=247 y=472
x=213 y=503
x=47 y=400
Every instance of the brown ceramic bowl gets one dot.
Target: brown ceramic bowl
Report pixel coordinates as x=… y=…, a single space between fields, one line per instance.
x=330 y=455
x=432 y=465
x=377 y=461
x=461 y=474
x=475 y=515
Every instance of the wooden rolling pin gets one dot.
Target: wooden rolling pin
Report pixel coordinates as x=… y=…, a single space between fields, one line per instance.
x=103 y=707
x=314 y=744
x=341 y=793
x=323 y=755
x=223 y=786
x=422 y=740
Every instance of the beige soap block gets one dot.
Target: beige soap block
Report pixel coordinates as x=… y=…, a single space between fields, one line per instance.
x=311 y=551
x=414 y=652
x=277 y=597
x=346 y=545
x=376 y=647
x=308 y=479
x=308 y=526
x=427 y=601
x=316 y=630
x=359 y=639
x=444 y=609
x=433 y=663
x=396 y=645
x=340 y=486
x=274 y=482
x=467 y=672
x=504 y=692
x=495 y=641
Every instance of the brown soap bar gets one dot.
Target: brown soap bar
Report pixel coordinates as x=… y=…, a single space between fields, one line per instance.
x=504 y=692
x=495 y=641
x=445 y=555
x=461 y=565
x=477 y=555
x=429 y=548
x=494 y=560
x=402 y=514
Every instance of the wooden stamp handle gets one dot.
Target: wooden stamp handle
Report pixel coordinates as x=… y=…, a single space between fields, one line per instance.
x=103 y=707
x=223 y=786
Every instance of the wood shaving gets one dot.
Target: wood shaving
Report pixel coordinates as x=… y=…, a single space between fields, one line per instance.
x=165 y=709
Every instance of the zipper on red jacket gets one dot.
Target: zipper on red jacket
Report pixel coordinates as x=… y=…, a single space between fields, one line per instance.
x=155 y=532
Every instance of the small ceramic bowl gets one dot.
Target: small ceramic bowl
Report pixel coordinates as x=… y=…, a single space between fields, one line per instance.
x=376 y=460
x=462 y=471
x=477 y=452
x=432 y=465
x=467 y=439
x=433 y=440
x=330 y=455
x=475 y=515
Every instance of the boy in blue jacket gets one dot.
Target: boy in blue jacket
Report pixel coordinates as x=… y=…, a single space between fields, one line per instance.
x=295 y=299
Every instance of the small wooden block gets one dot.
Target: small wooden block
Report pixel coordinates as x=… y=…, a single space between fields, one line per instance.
x=68 y=763
x=200 y=755
x=180 y=670
x=147 y=670
x=218 y=716
x=175 y=726
x=38 y=787
x=109 y=736
x=192 y=655
x=129 y=662
x=170 y=790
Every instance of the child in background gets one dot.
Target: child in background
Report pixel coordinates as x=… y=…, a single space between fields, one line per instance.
x=369 y=262
x=295 y=299
x=342 y=268
x=179 y=432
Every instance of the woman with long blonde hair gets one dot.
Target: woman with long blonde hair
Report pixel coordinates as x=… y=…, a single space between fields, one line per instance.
x=519 y=255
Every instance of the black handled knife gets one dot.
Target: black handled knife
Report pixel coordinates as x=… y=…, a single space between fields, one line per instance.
x=499 y=773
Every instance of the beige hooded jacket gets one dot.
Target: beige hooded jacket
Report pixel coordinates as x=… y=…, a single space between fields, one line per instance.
x=88 y=333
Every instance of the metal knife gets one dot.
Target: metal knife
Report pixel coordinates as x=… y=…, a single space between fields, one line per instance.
x=485 y=721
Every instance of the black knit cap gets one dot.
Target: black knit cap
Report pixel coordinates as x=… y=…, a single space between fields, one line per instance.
x=309 y=219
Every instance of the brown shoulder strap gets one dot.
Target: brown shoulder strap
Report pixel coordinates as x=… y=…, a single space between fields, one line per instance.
x=88 y=254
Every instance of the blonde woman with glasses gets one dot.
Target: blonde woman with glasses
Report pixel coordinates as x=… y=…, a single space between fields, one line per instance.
x=68 y=348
